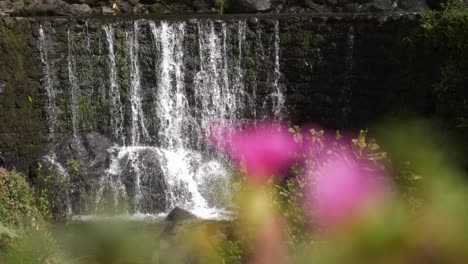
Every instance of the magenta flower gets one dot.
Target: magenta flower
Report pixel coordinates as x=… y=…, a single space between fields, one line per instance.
x=262 y=151
x=343 y=190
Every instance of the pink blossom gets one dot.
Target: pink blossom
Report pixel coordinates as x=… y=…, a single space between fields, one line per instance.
x=343 y=190
x=262 y=151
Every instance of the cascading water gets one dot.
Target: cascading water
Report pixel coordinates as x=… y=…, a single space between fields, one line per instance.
x=238 y=82
x=138 y=127
x=66 y=177
x=115 y=104
x=163 y=85
x=278 y=100
x=74 y=87
x=49 y=79
x=171 y=101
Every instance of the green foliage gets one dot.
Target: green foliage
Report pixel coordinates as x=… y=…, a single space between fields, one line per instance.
x=232 y=251
x=311 y=4
x=288 y=201
x=84 y=112
x=6 y=236
x=17 y=204
x=49 y=189
x=221 y=5
x=35 y=247
x=73 y=164
x=446 y=31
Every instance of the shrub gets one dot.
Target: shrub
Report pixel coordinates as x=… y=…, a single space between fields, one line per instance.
x=221 y=5
x=17 y=204
x=446 y=31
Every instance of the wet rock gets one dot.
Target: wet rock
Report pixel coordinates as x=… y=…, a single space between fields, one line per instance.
x=175 y=221
x=380 y=6
x=149 y=2
x=124 y=6
x=8 y=7
x=435 y=4
x=412 y=5
x=192 y=21
x=253 y=21
x=144 y=163
x=140 y=9
x=80 y=9
x=157 y=8
x=248 y=6
x=9 y=22
x=295 y=9
x=106 y=10
x=351 y=7
x=54 y=8
x=179 y=215
x=51 y=179
x=202 y=5
x=73 y=167
x=316 y=6
x=89 y=150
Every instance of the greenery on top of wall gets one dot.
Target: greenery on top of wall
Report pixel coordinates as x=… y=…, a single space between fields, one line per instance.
x=221 y=5
x=446 y=31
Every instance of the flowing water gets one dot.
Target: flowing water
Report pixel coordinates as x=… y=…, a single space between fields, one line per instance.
x=74 y=86
x=156 y=88
x=116 y=108
x=48 y=80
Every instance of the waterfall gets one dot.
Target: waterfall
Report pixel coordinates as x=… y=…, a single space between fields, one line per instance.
x=138 y=128
x=171 y=101
x=174 y=116
x=116 y=108
x=218 y=100
x=278 y=102
x=163 y=84
x=238 y=83
x=74 y=87
x=49 y=78
x=51 y=159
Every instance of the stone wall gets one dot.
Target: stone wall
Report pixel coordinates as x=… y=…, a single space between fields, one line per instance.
x=351 y=71
x=343 y=71
x=22 y=100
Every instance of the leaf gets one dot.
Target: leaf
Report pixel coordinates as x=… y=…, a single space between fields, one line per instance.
x=338 y=135
x=30 y=99
x=373 y=146
x=361 y=140
x=377 y=156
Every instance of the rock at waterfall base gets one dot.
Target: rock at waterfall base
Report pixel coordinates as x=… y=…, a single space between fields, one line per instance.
x=179 y=215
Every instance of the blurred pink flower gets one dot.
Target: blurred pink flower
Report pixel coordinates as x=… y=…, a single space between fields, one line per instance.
x=342 y=191
x=262 y=150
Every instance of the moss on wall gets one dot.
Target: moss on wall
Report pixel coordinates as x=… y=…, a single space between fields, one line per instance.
x=21 y=118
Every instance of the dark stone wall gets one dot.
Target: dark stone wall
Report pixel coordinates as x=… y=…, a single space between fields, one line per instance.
x=345 y=71
x=22 y=130
x=351 y=71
